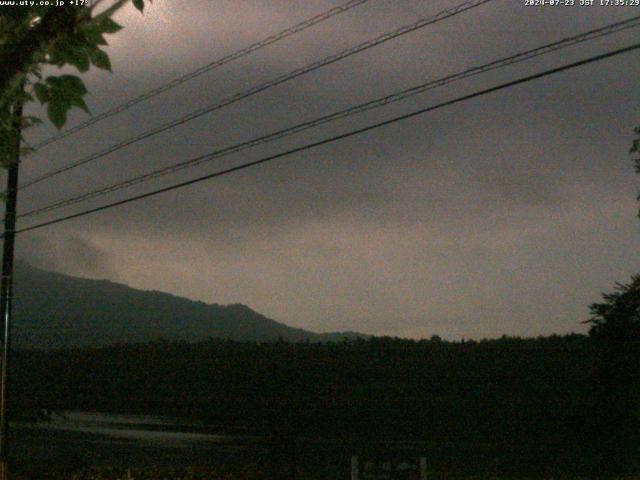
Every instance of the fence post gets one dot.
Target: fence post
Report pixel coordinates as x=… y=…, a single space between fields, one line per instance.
x=354 y=467
x=423 y=468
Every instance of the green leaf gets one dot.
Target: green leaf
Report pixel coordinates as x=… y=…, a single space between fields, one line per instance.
x=70 y=85
x=79 y=102
x=57 y=111
x=100 y=59
x=62 y=93
x=139 y=4
x=71 y=49
x=41 y=91
x=106 y=25
x=79 y=59
x=63 y=52
x=94 y=36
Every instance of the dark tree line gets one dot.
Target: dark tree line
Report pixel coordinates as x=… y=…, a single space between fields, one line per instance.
x=615 y=331
x=528 y=402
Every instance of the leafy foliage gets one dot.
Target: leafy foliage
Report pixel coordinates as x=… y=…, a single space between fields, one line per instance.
x=618 y=317
x=60 y=94
x=635 y=149
x=615 y=326
x=34 y=37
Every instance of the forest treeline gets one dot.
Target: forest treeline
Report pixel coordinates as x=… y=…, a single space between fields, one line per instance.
x=558 y=402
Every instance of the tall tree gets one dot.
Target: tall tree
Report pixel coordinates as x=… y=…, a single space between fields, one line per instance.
x=615 y=327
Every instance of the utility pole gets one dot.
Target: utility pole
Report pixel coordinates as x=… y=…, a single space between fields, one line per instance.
x=6 y=282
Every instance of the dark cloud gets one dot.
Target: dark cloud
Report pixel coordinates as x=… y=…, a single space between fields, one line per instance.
x=505 y=214
x=70 y=254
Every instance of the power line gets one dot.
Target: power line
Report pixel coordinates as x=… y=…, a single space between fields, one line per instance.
x=377 y=103
x=335 y=138
x=422 y=23
x=206 y=68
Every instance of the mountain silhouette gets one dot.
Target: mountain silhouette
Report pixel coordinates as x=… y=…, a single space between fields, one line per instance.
x=53 y=310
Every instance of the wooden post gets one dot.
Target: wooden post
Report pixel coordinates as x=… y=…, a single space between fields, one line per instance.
x=423 y=468
x=354 y=467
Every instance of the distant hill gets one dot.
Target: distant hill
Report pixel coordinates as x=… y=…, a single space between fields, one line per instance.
x=53 y=310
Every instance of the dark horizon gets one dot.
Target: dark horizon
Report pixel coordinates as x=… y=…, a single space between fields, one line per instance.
x=62 y=293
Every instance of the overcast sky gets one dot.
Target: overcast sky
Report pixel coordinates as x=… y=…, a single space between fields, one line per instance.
x=506 y=214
